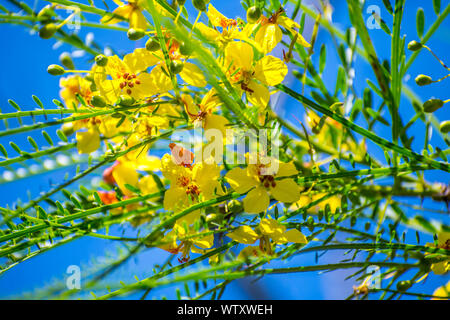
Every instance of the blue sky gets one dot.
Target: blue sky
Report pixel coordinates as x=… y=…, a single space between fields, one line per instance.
x=24 y=60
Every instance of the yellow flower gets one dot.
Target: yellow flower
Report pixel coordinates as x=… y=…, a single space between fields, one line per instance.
x=269 y=232
x=129 y=77
x=183 y=241
x=334 y=203
x=443 y=243
x=443 y=292
x=230 y=30
x=88 y=141
x=189 y=185
x=132 y=11
x=253 y=79
x=202 y=114
x=270 y=34
x=262 y=183
x=73 y=85
x=124 y=172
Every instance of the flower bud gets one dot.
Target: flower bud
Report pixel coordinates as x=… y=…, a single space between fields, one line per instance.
x=253 y=14
x=55 y=70
x=432 y=105
x=152 y=44
x=235 y=206
x=185 y=49
x=67 y=128
x=125 y=101
x=66 y=60
x=176 y=66
x=414 y=45
x=135 y=34
x=200 y=5
x=445 y=126
x=423 y=80
x=46 y=13
x=98 y=101
x=181 y=2
x=101 y=60
x=404 y=285
x=47 y=31
x=213 y=217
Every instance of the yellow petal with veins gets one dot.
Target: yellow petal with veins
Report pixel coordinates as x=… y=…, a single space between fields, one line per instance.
x=286 y=190
x=244 y=234
x=193 y=75
x=270 y=70
x=257 y=200
x=88 y=141
x=239 y=180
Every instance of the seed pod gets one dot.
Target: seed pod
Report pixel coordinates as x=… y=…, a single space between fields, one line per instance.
x=101 y=60
x=432 y=105
x=125 y=100
x=47 y=31
x=253 y=14
x=185 y=49
x=135 y=34
x=66 y=60
x=55 y=70
x=445 y=126
x=200 y=5
x=152 y=44
x=176 y=66
x=67 y=129
x=98 y=101
x=414 y=45
x=423 y=80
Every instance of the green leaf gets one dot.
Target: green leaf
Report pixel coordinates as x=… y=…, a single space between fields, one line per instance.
x=323 y=58
x=387 y=4
x=14 y=104
x=38 y=102
x=47 y=137
x=15 y=147
x=3 y=151
x=420 y=22
x=437 y=6
x=33 y=143
x=61 y=135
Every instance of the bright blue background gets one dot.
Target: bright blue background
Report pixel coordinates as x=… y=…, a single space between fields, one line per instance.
x=24 y=58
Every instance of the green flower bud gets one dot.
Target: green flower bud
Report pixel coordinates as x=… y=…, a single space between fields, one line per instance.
x=98 y=101
x=181 y=2
x=66 y=60
x=152 y=44
x=67 y=129
x=414 y=45
x=176 y=66
x=404 y=285
x=200 y=5
x=432 y=105
x=55 y=70
x=445 y=126
x=253 y=14
x=186 y=49
x=235 y=206
x=135 y=34
x=125 y=101
x=217 y=218
x=101 y=60
x=46 y=13
x=47 y=31
x=423 y=80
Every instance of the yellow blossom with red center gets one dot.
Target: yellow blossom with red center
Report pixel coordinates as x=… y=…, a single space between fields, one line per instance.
x=261 y=182
x=250 y=76
x=269 y=34
x=269 y=232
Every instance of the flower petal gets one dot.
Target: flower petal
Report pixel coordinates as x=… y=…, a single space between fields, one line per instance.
x=193 y=75
x=270 y=70
x=286 y=190
x=257 y=200
x=244 y=234
x=239 y=180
